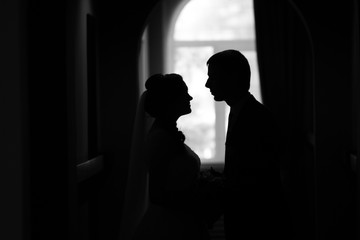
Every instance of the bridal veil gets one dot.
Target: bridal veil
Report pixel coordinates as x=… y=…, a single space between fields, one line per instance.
x=136 y=192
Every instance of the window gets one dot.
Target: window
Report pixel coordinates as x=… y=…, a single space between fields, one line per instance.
x=202 y=28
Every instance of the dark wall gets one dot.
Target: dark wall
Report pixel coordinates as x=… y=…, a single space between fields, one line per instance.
x=57 y=83
x=13 y=121
x=49 y=170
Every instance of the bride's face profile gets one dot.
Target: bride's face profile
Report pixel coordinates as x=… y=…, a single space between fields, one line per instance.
x=181 y=100
x=168 y=97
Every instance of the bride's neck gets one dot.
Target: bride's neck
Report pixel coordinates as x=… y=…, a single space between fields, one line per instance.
x=166 y=123
x=169 y=126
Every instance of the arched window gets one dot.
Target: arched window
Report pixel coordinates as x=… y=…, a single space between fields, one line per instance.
x=202 y=28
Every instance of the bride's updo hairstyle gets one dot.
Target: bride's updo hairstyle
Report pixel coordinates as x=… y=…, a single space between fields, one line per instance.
x=159 y=91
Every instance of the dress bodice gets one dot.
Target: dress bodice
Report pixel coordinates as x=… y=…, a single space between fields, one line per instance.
x=173 y=185
x=173 y=170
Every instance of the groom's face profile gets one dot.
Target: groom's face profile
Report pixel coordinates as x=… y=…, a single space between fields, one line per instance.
x=215 y=83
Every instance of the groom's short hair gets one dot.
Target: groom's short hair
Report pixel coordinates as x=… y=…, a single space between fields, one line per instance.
x=232 y=63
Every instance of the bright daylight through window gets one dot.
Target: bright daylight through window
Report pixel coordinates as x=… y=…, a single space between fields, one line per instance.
x=203 y=28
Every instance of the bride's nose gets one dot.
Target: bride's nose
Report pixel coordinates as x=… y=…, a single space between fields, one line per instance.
x=207 y=84
x=190 y=97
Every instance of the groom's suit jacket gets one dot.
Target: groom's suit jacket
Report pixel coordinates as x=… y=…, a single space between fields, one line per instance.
x=254 y=199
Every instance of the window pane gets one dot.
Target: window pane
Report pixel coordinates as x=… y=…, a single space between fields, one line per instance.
x=216 y=20
x=190 y=62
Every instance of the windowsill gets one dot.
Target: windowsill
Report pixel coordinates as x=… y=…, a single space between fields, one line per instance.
x=219 y=167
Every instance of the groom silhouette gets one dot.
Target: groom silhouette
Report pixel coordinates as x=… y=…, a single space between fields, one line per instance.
x=254 y=202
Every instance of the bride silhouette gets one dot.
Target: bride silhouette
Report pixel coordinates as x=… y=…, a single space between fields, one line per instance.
x=177 y=195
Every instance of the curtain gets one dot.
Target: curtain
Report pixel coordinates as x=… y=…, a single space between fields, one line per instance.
x=285 y=59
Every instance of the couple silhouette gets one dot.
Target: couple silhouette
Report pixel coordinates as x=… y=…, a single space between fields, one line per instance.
x=249 y=194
